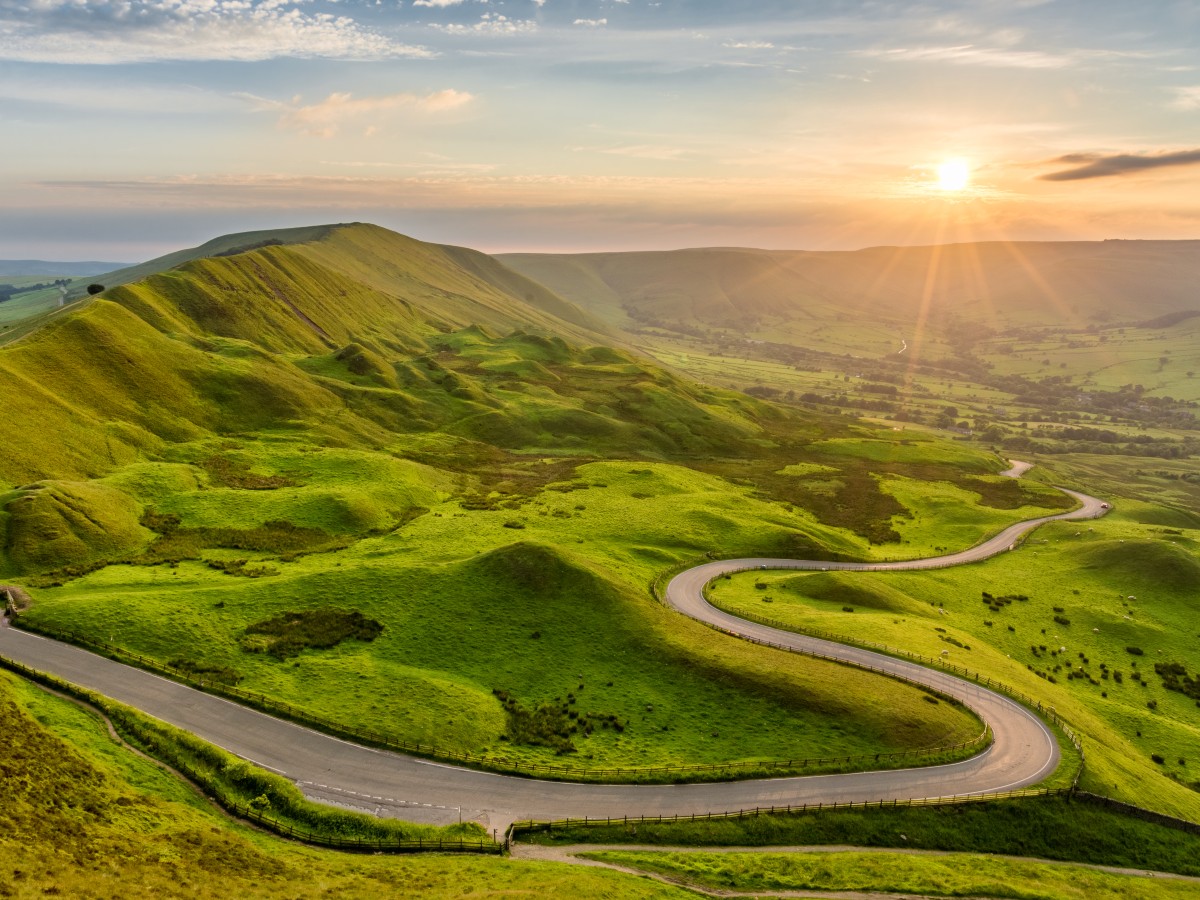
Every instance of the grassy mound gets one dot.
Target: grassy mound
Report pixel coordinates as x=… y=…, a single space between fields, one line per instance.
x=1144 y=564
x=844 y=589
x=57 y=524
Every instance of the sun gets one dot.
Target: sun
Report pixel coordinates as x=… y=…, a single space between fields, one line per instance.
x=953 y=175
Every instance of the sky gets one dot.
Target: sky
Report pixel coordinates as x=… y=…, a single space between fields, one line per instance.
x=134 y=128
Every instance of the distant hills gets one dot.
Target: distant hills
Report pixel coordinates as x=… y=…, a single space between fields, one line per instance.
x=15 y=268
x=997 y=283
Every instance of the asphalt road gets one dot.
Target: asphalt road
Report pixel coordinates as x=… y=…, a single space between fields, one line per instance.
x=334 y=771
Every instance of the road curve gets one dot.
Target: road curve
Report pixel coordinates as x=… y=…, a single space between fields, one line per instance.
x=334 y=771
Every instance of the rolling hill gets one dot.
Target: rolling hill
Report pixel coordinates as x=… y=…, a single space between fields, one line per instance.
x=405 y=428
x=996 y=284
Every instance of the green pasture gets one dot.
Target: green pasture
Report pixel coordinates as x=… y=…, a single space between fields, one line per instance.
x=1092 y=591
x=935 y=875
x=543 y=596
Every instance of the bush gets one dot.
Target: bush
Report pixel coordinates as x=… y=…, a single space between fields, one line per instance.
x=1135 y=651
x=94 y=289
x=285 y=635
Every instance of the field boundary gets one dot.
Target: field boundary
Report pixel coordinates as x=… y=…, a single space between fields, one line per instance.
x=530 y=826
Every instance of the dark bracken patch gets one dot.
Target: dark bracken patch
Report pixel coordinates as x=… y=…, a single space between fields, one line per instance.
x=205 y=671
x=1175 y=678
x=234 y=473
x=551 y=724
x=287 y=634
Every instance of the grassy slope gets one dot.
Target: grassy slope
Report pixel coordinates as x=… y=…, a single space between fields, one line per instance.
x=329 y=389
x=277 y=383
x=84 y=817
x=87 y=818
x=950 y=875
x=576 y=580
x=1087 y=571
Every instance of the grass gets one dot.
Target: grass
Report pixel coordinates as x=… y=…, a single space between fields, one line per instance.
x=1045 y=827
x=1092 y=590
x=599 y=639
x=85 y=817
x=281 y=437
x=377 y=430
x=951 y=875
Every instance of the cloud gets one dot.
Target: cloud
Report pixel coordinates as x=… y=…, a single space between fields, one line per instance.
x=749 y=45
x=591 y=23
x=491 y=24
x=132 y=31
x=439 y=3
x=1186 y=98
x=1093 y=165
x=323 y=119
x=972 y=55
x=641 y=151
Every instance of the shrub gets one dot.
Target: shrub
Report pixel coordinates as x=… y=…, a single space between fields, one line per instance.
x=285 y=635
x=1135 y=651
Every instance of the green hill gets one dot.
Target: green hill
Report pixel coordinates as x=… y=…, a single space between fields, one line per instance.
x=995 y=283
x=430 y=438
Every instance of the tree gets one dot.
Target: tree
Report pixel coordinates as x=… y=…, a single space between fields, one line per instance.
x=94 y=289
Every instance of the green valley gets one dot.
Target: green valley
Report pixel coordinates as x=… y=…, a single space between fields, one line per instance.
x=415 y=490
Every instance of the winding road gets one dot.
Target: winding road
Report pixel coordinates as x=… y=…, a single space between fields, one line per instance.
x=337 y=772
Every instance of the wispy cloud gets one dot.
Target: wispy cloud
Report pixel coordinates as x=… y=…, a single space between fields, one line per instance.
x=1094 y=165
x=973 y=55
x=1186 y=98
x=130 y=31
x=323 y=119
x=749 y=45
x=640 y=151
x=591 y=23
